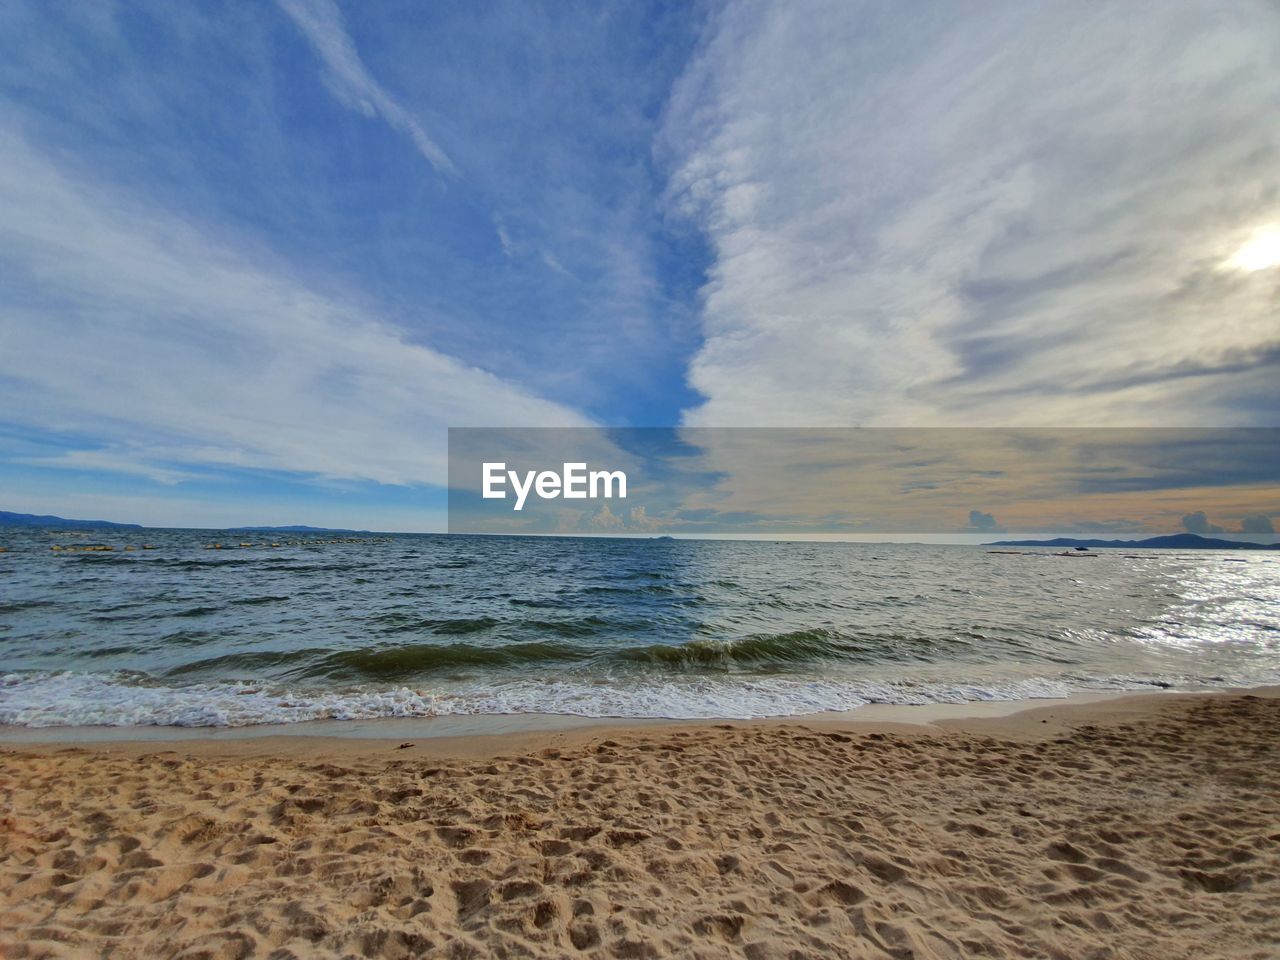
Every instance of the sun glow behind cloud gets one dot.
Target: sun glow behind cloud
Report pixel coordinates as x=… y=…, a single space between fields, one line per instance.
x=995 y=218
x=1260 y=252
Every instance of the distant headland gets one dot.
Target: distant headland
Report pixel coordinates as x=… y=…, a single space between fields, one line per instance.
x=1176 y=541
x=8 y=519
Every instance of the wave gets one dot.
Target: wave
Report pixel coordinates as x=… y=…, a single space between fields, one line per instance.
x=121 y=699
x=191 y=565
x=800 y=646
x=249 y=662
x=402 y=623
x=18 y=606
x=581 y=626
x=796 y=648
x=76 y=699
x=588 y=626
x=410 y=661
x=201 y=611
x=404 y=662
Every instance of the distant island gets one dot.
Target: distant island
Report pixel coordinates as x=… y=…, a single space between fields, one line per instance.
x=1176 y=541
x=8 y=519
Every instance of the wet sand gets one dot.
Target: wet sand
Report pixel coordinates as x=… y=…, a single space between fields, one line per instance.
x=1137 y=827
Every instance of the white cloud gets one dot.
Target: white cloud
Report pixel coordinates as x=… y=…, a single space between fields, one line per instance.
x=1005 y=213
x=132 y=462
x=322 y=24
x=1199 y=523
x=603 y=519
x=1259 y=523
x=982 y=521
x=553 y=264
x=504 y=236
x=170 y=347
x=639 y=519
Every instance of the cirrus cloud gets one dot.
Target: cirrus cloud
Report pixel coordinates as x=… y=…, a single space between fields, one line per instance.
x=321 y=22
x=999 y=214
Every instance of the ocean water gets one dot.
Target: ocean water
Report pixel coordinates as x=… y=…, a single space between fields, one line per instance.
x=347 y=627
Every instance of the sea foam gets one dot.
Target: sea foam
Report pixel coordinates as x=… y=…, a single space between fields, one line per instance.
x=82 y=699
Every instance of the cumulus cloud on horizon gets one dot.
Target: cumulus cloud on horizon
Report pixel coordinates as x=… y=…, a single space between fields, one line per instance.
x=1198 y=522
x=1257 y=524
x=982 y=521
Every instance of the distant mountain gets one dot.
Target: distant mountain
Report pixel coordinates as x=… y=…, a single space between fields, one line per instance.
x=294 y=528
x=1176 y=541
x=32 y=520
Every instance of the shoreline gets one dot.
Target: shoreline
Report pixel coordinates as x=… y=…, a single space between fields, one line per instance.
x=494 y=735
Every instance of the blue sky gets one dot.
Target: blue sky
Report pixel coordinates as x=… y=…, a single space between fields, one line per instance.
x=256 y=257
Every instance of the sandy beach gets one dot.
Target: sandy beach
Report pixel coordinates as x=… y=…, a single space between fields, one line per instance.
x=1139 y=827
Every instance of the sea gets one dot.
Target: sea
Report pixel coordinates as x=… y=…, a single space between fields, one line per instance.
x=195 y=628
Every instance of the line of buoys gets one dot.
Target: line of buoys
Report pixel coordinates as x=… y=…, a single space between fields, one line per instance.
x=93 y=548
x=300 y=543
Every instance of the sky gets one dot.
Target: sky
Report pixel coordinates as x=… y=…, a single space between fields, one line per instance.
x=963 y=485
x=255 y=259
